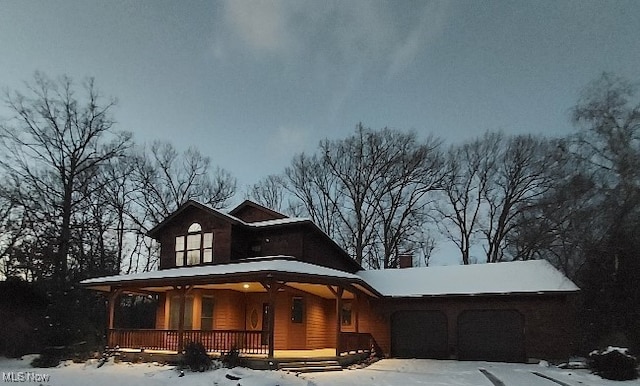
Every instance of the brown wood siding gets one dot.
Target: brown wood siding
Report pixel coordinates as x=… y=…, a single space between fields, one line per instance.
x=228 y=309
x=278 y=241
x=318 y=327
x=373 y=321
x=282 y=321
x=320 y=251
x=253 y=214
x=178 y=227
x=240 y=243
x=548 y=320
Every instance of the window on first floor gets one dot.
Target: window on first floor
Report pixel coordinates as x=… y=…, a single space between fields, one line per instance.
x=297 y=310
x=174 y=313
x=206 y=316
x=196 y=247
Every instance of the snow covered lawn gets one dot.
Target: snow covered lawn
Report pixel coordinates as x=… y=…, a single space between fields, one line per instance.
x=404 y=372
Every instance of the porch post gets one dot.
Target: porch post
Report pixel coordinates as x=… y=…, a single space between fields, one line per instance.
x=338 y=318
x=354 y=309
x=183 y=292
x=111 y=305
x=272 y=288
x=273 y=291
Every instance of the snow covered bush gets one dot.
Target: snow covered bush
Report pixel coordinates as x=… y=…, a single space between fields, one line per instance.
x=231 y=359
x=195 y=357
x=49 y=357
x=614 y=363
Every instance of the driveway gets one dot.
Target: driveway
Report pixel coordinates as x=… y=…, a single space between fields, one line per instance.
x=408 y=372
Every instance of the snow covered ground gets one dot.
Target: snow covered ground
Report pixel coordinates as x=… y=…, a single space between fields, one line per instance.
x=386 y=372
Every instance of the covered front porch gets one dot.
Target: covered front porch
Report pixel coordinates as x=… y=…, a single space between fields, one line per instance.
x=274 y=310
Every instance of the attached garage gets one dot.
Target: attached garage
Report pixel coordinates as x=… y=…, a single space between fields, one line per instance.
x=510 y=311
x=419 y=334
x=491 y=335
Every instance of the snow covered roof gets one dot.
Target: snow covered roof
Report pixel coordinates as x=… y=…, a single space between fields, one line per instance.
x=518 y=277
x=281 y=221
x=282 y=264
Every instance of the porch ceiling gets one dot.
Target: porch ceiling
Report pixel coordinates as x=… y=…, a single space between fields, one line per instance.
x=320 y=290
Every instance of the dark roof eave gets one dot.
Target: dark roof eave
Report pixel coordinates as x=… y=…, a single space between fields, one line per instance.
x=484 y=294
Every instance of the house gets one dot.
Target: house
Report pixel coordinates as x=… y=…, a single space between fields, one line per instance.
x=275 y=287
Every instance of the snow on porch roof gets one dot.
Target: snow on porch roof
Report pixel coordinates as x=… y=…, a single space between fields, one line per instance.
x=518 y=277
x=267 y=264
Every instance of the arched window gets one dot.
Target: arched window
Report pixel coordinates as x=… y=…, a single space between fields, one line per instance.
x=195 y=247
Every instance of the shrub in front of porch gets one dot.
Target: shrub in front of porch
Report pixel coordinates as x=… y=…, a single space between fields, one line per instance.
x=195 y=357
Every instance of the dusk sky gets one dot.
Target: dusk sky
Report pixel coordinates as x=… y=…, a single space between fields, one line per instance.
x=251 y=83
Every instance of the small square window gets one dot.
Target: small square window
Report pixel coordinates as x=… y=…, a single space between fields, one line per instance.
x=297 y=310
x=207 y=256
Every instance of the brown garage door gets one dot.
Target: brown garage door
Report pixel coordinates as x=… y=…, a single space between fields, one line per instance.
x=491 y=335
x=419 y=334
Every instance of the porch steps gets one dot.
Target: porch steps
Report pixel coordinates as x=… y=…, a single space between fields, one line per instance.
x=309 y=366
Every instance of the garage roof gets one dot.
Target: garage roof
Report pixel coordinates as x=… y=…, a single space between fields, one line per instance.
x=518 y=277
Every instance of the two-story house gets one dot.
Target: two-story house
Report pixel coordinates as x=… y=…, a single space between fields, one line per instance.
x=278 y=287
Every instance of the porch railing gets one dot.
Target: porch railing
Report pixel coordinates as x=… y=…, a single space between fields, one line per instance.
x=356 y=342
x=246 y=342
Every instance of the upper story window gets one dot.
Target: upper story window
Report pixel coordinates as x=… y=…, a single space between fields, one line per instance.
x=195 y=247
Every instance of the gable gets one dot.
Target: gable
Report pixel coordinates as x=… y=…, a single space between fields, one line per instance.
x=250 y=212
x=191 y=207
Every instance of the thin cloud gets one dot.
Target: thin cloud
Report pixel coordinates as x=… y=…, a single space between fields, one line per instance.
x=430 y=26
x=262 y=25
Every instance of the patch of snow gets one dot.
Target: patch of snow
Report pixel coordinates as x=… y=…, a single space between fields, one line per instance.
x=281 y=221
x=621 y=350
x=406 y=372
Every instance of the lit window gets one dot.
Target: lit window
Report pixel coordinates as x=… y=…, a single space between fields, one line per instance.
x=195 y=227
x=179 y=251
x=194 y=248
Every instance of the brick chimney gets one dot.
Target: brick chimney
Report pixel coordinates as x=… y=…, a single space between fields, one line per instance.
x=405 y=260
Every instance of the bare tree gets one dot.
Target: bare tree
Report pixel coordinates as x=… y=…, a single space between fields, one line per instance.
x=53 y=146
x=521 y=177
x=369 y=190
x=310 y=181
x=469 y=170
x=415 y=170
x=273 y=192
x=169 y=179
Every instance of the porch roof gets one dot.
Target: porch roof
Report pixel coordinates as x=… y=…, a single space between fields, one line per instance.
x=507 y=278
x=257 y=269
